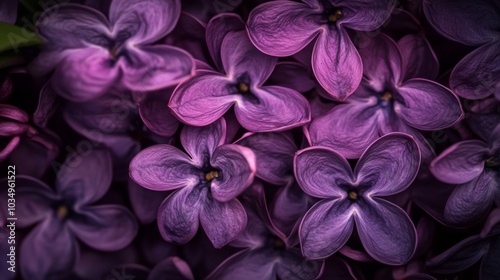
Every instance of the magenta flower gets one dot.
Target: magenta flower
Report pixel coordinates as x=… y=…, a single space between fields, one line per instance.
x=386 y=102
x=66 y=214
x=90 y=54
x=387 y=167
x=478 y=74
x=473 y=165
x=283 y=28
x=268 y=254
x=242 y=71
x=207 y=181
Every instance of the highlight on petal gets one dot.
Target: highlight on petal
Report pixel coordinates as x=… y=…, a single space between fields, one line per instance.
x=201 y=142
x=145 y=21
x=178 y=215
x=272 y=108
x=325 y=228
x=85 y=179
x=461 y=162
x=389 y=165
x=470 y=202
x=104 y=227
x=202 y=99
x=320 y=172
x=282 y=28
x=155 y=67
x=476 y=75
x=237 y=167
x=428 y=105
x=222 y=221
x=337 y=64
x=49 y=236
x=386 y=231
x=84 y=74
x=163 y=167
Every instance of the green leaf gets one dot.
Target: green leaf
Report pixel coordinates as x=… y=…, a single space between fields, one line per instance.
x=14 y=37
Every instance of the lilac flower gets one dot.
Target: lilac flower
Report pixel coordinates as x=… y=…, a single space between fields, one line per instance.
x=268 y=254
x=484 y=246
x=388 y=166
x=477 y=74
x=473 y=166
x=13 y=125
x=385 y=102
x=207 y=181
x=66 y=214
x=242 y=71
x=282 y=28
x=90 y=54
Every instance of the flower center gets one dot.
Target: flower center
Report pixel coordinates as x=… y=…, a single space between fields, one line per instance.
x=243 y=87
x=211 y=175
x=62 y=211
x=386 y=96
x=352 y=195
x=278 y=243
x=335 y=16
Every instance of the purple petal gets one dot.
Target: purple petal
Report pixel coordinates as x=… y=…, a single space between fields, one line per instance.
x=37 y=200
x=240 y=57
x=172 y=268
x=144 y=202
x=145 y=21
x=202 y=99
x=337 y=64
x=470 y=202
x=163 y=167
x=294 y=266
x=222 y=221
x=48 y=251
x=189 y=35
x=217 y=28
x=382 y=61
x=274 y=155
x=201 y=142
x=47 y=106
x=320 y=172
x=325 y=228
x=459 y=257
x=289 y=205
x=237 y=166
x=272 y=108
x=84 y=74
x=155 y=67
x=463 y=22
x=156 y=115
x=104 y=227
x=80 y=26
x=291 y=75
x=419 y=60
x=348 y=128
x=389 y=165
x=386 y=231
x=246 y=265
x=85 y=179
x=364 y=15
x=428 y=105
x=178 y=215
x=461 y=162
x=282 y=28
x=476 y=75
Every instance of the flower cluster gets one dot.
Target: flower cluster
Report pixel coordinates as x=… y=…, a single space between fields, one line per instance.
x=251 y=139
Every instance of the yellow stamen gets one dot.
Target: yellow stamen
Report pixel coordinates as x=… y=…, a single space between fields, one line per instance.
x=212 y=174
x=243 y=88
x=62 y=211
x=335 y=16
x=353 y=195
x=386 y=96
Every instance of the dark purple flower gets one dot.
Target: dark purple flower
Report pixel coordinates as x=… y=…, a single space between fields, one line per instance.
x=242 y=71
x=478 y=74
x=474 y=166
x=386 y=102
x=388 y=166
x=207 y=180
x=66 y=214
x=90 y=54
x=268 y=254
x=283 y=28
